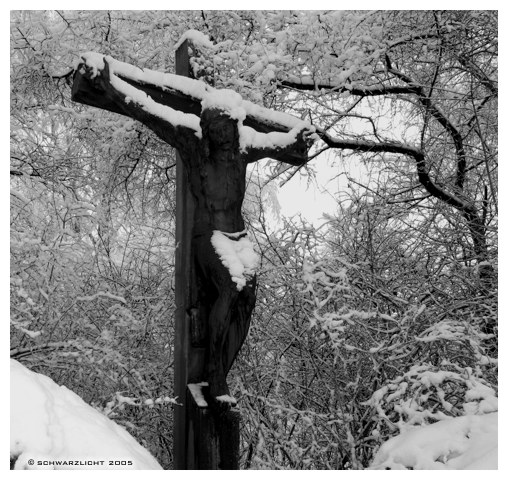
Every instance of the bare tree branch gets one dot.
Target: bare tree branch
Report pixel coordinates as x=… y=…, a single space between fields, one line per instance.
x=434 y=111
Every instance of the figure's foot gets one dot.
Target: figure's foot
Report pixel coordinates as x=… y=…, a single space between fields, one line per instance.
x=219 y=398
x=223 y=403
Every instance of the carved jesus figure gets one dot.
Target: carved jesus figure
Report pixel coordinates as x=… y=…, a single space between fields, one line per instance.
x=216 y=164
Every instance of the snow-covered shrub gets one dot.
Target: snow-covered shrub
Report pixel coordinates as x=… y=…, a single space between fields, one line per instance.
x=426 y=394
x=91 y=286
x=400 y=367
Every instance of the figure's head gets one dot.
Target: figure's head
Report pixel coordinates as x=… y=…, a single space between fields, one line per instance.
x=219 y=129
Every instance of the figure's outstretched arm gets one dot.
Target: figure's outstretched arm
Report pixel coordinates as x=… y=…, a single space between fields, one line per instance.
x=278 y=145
x=106 y=90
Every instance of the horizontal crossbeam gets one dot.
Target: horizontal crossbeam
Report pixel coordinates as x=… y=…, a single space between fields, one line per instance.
x=84 y=92
x=258 y=118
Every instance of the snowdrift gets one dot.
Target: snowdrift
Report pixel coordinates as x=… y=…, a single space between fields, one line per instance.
x=53 y=428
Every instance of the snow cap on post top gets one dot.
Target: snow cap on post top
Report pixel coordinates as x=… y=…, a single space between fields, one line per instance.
x=196 y=38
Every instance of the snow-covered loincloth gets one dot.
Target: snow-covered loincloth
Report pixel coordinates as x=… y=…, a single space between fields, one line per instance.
x=237 y=254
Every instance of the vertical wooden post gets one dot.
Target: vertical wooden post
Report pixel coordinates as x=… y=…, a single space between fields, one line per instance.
x=183 y=285
x=215 y=436
x=202 y=438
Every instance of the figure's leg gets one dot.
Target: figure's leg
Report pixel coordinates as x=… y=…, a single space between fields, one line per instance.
x=219 y=324
x=220 y=294
x=239 y=323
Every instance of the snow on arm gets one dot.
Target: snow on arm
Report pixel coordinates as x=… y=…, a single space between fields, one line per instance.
x=237 y=255
x=272 y=141
x=170 y=115
x=188 y=86
x=272 y=116
x=133 y=94
x=51 y=423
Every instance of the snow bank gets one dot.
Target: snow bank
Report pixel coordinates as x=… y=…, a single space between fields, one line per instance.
x=461 y=443
x=53 y=428
x=237 y=255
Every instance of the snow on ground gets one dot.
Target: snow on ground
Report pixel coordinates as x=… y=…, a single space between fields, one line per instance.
x=53 y=428
x=461 y=443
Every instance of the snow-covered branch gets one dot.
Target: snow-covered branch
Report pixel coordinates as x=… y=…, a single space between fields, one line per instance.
x=308 y=84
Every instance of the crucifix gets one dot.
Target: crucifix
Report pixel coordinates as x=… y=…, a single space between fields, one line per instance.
x=216 y=134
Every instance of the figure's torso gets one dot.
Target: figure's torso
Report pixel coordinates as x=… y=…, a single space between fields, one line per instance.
x=218 y=186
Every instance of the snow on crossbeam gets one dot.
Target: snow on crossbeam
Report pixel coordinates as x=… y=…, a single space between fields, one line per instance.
x=180 y=100
x=182 y=93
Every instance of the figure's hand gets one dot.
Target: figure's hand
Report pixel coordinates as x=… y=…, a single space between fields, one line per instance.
x=305 y=139
x=99 y=77
x=104 y=73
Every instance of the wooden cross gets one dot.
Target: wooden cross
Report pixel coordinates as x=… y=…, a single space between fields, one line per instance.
x=216 y=134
